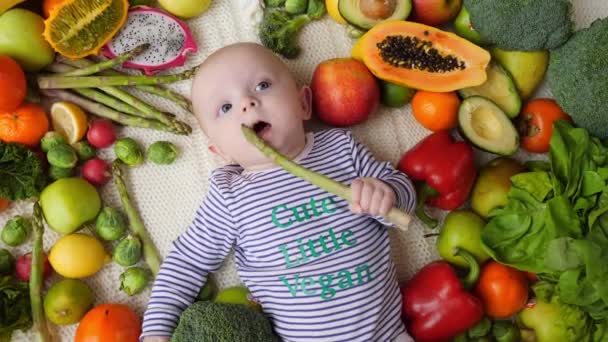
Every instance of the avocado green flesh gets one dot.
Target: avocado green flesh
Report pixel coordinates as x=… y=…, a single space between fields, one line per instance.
x=486 y=126
x=499 y=88
x=352 y=12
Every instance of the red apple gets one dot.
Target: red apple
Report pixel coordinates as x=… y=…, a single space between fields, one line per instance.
x=344 y=92
x=435 y=12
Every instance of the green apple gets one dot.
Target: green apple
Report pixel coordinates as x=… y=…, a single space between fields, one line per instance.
x=394 y=95
x=526 y=67
x=464 y=28
x=493 y=184
x=461 y=229
x=185 y=8
x=21 y=38
x=68 y=203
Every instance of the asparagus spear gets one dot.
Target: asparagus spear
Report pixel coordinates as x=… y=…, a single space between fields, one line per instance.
x=36 y=278
x=151 y=255
x=98 y=109
x=151 y=89
x=395 y=215
x=106 y=100
x=108 y=64
x=60 y=82
x=133 y=105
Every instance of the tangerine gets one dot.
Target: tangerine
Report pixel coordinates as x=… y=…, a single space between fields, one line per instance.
x=436 y=111
x=109 y=323
x=24 y=125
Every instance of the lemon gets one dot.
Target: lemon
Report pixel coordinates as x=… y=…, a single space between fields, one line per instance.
x=69 y=121
x=77 y=256
x=333 y=11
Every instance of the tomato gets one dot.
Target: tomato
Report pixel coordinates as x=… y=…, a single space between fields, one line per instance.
x=4 y=203
x=502 y=289
x=109 y=323
x=536 y=124
x=12 y=84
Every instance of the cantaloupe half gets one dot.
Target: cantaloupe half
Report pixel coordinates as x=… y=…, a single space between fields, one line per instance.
x=421 y=57
x=78 y=28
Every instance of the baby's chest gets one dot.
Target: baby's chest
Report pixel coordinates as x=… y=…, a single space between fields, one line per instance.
x=303 y=232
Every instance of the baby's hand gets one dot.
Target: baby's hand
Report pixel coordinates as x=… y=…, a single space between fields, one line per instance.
x=156 y=339
x=371 y=196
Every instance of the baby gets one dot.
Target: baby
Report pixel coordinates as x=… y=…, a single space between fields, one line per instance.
x=320 y=269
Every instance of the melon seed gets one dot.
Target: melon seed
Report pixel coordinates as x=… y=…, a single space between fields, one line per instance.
x=413 y=53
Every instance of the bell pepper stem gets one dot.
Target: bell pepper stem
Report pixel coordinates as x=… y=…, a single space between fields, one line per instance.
x=425 y=192
x=469 y=281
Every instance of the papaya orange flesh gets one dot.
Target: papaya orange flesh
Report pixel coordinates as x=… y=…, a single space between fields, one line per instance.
x=78 y=28
x=421 y=57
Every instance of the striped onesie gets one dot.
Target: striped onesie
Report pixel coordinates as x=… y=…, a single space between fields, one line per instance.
x=320 y=272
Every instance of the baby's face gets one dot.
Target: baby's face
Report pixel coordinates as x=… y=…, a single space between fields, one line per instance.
x=247 y=84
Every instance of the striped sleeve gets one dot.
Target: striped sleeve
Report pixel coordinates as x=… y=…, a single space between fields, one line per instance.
x=367 y=166
x=200 y=250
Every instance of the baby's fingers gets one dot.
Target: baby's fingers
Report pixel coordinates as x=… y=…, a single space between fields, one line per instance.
x=376 y=201
x=356 y=187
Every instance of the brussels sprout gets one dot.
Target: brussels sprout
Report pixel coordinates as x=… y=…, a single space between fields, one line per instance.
x=128 y=251
x=129 y=151
x=16 y=230
x=62 y=156
x=84 y=150
x=134 y=280
x=59 y=172
x=7 y=262
x=162 y=152
x=110 y=224
x=50 y=140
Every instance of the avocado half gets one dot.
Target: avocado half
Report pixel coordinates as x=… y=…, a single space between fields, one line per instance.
x=365 y=14
x=486 y=126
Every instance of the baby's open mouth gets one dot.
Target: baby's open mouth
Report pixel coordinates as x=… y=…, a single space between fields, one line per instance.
x=260 y=128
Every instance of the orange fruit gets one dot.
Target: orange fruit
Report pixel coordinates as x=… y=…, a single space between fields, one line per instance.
x=12 y=84
x=49 y=5
x=109 y=323
x=436 y=111
x=25 y=125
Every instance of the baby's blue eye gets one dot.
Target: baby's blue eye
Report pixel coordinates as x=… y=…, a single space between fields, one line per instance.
x=262 y=85
x=225 y=108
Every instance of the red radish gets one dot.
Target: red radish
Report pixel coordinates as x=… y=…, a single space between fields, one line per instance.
x=101 y=133
x=96 y=171
x=23 y=267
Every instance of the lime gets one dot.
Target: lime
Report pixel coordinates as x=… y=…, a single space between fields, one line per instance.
x=394 y=95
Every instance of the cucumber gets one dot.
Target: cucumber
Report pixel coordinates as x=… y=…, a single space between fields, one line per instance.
x=499 y=88
x=487 y=126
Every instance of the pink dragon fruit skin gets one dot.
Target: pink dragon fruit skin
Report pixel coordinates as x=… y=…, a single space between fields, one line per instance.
x=130 y=35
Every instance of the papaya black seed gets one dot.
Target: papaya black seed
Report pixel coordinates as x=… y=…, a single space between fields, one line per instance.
x=413 y=53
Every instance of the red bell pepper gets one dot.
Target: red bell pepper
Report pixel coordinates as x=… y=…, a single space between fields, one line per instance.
x=437 y=306
x=445 y=170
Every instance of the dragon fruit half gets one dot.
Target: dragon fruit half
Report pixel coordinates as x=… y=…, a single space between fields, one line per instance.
x=170 y=40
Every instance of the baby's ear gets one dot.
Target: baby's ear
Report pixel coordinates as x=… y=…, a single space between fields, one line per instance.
x=306 y=102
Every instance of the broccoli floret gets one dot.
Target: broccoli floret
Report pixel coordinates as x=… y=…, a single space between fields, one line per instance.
x=279 y=32
x=218 y=322
x=522 y=24
x=577 y=77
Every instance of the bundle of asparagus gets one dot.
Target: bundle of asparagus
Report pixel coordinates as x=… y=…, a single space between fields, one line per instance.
x=95 y=87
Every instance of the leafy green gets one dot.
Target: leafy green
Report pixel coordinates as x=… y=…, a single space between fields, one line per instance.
x=522 y=24
x=556 y=223
x=21 y=174
x=576 y=77
x=15 y=312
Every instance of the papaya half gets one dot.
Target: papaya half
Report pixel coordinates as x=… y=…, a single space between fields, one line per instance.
x=421 y=57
